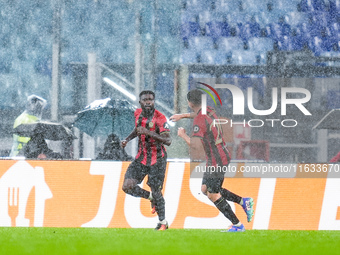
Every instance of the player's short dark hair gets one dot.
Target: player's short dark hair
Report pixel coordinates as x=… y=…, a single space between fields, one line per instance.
x=147 y=92
x=195 y=96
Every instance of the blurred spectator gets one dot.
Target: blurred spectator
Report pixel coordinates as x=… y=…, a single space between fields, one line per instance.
x=36 y=148
x=113 y=150
x=33 y=112
x=67 y=148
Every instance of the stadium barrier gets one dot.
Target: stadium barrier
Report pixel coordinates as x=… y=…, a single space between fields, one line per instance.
x=88 y=194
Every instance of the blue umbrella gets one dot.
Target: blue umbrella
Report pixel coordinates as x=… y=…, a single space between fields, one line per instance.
x=107 y=116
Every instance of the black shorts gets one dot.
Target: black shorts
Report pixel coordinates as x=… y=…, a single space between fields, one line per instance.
x=213 y=181
x=156 y=173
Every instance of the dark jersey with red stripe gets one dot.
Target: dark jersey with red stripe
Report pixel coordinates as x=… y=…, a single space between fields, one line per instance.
x=149 y=150
x=212 y=138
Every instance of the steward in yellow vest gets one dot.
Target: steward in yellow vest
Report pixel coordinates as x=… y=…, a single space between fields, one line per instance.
x=33 y=112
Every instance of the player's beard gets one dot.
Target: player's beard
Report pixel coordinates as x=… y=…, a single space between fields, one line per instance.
x=148 y=111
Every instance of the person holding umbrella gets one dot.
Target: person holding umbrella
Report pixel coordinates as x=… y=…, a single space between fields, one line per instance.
x=153 y=133
x=113 y=150
x=37 y=148
x=38 y=131
x=32 y=114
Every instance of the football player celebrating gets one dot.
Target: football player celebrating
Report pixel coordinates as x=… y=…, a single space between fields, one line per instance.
x=153 y=133
x=217 y=155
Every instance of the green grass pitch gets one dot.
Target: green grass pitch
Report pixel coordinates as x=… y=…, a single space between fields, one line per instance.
x=173 y=241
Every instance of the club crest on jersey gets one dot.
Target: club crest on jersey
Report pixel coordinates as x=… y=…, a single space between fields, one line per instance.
x=166 y=125
x=151 y=124
x=196 y=129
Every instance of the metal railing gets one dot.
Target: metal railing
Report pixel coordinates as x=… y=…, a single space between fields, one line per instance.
x=129 y=85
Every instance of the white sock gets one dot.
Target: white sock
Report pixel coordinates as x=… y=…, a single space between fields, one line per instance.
x=238 y=224
x=163 y=222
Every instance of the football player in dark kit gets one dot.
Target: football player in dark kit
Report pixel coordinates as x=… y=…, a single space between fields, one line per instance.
x=211 y=136
x=153 y=133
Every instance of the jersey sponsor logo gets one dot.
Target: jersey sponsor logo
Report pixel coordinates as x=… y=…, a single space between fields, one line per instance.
x=151 y=124
x=196 y=128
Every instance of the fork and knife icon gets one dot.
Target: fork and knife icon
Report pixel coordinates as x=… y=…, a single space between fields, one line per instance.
x=13 y=204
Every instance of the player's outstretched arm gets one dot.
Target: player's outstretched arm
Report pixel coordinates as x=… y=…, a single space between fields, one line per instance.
x=131 y=136
x=192 y=142
x=177 y=117
x=164 y=138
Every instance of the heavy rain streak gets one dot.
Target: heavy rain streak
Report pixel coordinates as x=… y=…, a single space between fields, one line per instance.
x=71 y=73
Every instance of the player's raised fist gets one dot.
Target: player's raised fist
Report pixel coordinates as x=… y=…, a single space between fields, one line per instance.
x=181 y=132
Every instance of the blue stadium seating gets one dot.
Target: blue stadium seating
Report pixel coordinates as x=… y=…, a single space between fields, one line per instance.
x=209 y=57
x=295 y=18
x=168 y=50
x=285 y=6
x=229 y=43
x=315 y=45
x=190 y=28
x=305 y=6
x=245 y=58
x=228 y=6
x=200 y=43
x=319 y=5
x=220 y=32
x=289 y=44
x=334 y=10
x=216 y=29
x=189 y=57
x=222 y=58
x=197 y=5
x=261 y=45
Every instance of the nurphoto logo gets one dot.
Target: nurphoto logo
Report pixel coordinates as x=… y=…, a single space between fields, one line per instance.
x=239 y=104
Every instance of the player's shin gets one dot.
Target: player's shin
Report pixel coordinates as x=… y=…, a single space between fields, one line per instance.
x=137 y=191
x=160 y=205
x=230 y=196
x=225 y=208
